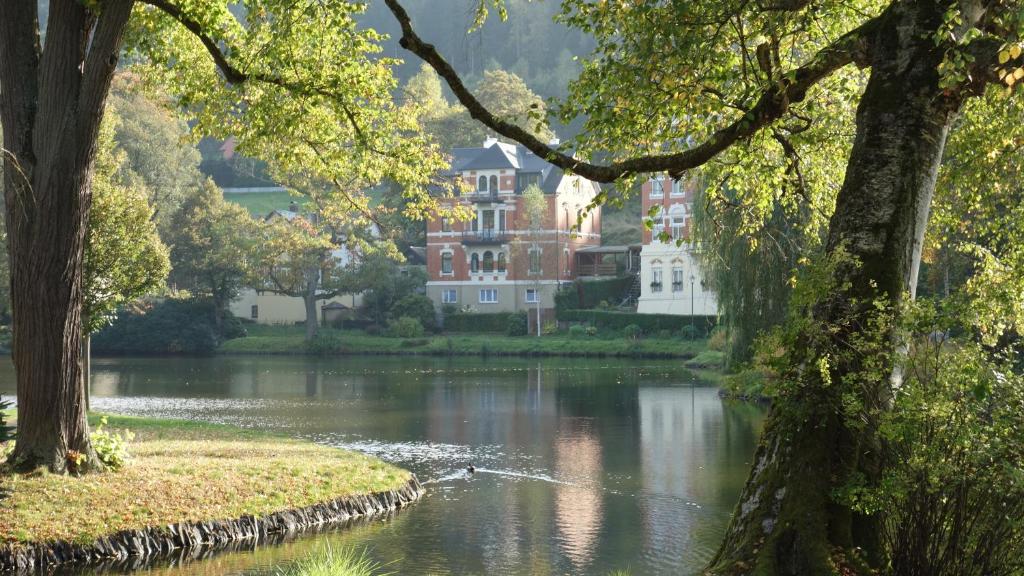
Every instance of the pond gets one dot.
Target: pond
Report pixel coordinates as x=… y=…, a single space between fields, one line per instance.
x=583 y=466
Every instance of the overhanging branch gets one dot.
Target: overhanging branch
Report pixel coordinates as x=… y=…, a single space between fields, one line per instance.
x=773 y=103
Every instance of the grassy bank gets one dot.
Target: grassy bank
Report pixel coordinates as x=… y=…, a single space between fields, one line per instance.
x=290 y=340
x=185 y=471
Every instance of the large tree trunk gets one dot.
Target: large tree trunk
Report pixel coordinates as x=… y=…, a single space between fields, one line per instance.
x=51 y=105
x=788 y=520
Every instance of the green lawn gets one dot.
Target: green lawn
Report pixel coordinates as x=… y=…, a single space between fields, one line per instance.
x=185 y=471
x=262 y=203
x=290 y=340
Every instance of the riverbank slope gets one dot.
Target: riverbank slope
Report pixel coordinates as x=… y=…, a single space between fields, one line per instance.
x=190 y=484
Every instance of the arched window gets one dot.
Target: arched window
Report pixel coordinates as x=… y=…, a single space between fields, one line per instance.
x=488 y=261
x=502 y=265
x=474 y=263
x=494 y=184
x=446 y=263
x=481 y=184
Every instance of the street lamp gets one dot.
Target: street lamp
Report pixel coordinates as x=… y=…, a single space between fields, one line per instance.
x=693 y=332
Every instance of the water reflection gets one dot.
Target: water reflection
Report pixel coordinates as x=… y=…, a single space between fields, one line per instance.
x=583 y=466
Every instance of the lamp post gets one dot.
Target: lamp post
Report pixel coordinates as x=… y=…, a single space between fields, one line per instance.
x=693 y=332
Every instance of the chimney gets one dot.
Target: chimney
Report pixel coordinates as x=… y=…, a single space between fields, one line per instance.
x=293 y=206
x=490 y=141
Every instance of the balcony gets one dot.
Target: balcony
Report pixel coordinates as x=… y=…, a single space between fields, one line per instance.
x=484 y=196
x=485 y=236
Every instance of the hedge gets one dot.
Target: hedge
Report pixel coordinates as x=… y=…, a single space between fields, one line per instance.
x=496 y=322
x=167 y=327
x=588 y=294
x=649 y=323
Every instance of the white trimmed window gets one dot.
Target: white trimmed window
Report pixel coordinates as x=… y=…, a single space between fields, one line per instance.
x=531 y=295
x=446 y=263
x=449 y=296
x=657 y=187
x=656 y=280
x=677 y=279
x=535 y=261
x=488 y=296
x=678 y=227
x=677 y=189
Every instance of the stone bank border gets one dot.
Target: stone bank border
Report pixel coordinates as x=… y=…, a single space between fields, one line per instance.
x=153 y=543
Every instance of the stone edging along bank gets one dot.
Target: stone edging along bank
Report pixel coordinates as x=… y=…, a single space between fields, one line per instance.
x=160 y=541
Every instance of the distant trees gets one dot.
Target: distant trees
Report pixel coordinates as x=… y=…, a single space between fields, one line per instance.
x=451 y=125
x=157 y=147
x=298 y=258
x=213 y=243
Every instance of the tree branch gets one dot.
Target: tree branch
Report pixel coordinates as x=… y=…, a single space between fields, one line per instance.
x=773 y=103
x=233 y=75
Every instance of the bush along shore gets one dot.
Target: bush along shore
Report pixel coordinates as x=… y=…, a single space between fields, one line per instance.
x=183 y=487
x=290 y=340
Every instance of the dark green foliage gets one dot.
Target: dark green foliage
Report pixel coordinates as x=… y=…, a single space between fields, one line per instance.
x=167 y=327
x=577 y=331
x=649 y=323
x=6 y=432
x=405 y=327
x=416 y=306
x=496 y=322
x=752 y=284
x=589 y=294
x=632 y=331
x=518 y=324
x=951 y=493
x=324 y=343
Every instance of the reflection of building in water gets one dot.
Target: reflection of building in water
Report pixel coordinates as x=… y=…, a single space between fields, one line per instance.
x=578 y=503
x=679 y=430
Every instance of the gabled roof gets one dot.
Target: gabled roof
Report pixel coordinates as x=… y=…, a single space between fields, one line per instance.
x=494 y=155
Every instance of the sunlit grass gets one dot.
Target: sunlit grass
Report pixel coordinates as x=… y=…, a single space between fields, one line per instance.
x=185 y=471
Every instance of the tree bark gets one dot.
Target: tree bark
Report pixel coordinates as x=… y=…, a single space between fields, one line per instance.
x=309 y=298
x=51 y=107
x=789 y=520
x=87 y=370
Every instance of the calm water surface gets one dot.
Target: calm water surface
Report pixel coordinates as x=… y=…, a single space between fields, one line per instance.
x=583 y=466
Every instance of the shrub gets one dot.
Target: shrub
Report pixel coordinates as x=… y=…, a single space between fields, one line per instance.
x=111 y=447
x=6 y=432
x=325 y=343
x=688 y=332
x=518 y=324
x=577 y=331
x=633 y=331
x=416 y=306
x=549 y=328
x=405 y=327
x=591 y=330
x=167 y=327
x=718 y=339
x=664 y=334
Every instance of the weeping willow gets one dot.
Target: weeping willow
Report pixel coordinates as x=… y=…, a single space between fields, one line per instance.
x=752 y=268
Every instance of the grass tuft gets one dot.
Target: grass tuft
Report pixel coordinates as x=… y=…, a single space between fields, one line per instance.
x=330 y=561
